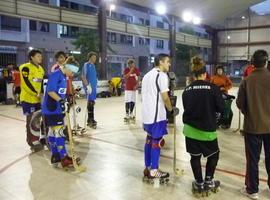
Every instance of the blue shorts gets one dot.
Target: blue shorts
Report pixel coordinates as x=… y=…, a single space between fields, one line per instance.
x=156 y=130
x=93 y=95
x=54 y=120
x=29 y=108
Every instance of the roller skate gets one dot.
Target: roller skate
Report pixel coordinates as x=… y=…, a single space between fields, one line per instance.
x=55 y=160
x=126 y=119
x=92 y=123
x=198 y=189
x=36 y=147
x=211 y=186
x=158 y=175
x=66 y=163
x=132 y=119
x=146 y=174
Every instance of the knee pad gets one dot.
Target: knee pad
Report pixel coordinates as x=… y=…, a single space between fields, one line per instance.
x=158 y=143
x=59 y=131
x=148 y=140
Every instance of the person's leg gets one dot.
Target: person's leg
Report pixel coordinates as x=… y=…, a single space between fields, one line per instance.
x=211 y=166
x=90 y=108
x=147 y=151
x=266 y=143
x=253 y=146
x=196 y=167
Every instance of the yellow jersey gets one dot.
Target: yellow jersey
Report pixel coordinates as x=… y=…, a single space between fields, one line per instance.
x=31 y=82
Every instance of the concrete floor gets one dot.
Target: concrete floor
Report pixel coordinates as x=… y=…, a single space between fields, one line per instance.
x=113 y=154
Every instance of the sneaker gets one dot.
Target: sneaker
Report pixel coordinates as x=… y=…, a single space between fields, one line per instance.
x=66 y=162
x=253 y=196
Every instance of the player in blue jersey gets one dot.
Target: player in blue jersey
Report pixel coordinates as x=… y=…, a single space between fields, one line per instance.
x=89 y=78
x=54 y=106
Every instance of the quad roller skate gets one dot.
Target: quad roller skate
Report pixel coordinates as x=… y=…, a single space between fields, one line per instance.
x=211 y=186
x=126 y=119
x=56 y=160
x=151 y=176
x=36 y=147
x=198 y=189
x=132 y=119
x=92 y=124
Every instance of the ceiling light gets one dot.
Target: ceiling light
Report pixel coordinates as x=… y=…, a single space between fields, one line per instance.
x=161 y=8
x=187 y=16
x=112 y=7
x=229 y=37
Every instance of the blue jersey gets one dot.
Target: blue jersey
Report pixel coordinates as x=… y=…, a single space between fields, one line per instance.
x=89 y=71
x=57 y=83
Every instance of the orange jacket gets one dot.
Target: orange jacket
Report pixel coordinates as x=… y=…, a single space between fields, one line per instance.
x=223 y=82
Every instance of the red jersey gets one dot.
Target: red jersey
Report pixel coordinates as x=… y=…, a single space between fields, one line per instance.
x=131 y=81
x=16 y=78
x=248 y=70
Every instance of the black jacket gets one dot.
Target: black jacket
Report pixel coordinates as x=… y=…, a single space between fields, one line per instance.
x=201 y=101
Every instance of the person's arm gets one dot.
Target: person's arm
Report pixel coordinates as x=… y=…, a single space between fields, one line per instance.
x=126 y=75
x=166 y=100
x=55 y=96
x=228 y=84
x=241 y=100
x=83 y=76
x=163 y=85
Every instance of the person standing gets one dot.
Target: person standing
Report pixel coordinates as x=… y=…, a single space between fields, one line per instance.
x=16 y=85
x=253 y=100
x=89 y=79
x=31 y=93
x=155 y=101
x=131 y=75
x=201 y=101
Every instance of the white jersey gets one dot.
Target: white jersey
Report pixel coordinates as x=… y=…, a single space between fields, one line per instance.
x=153 y=108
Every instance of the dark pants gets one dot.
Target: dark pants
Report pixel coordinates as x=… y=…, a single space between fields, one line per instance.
x=253 y=147
x=90 y=109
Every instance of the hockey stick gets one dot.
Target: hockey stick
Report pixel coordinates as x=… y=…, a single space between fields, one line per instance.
x=239 y=123
x=176 y=170
x=78 y=168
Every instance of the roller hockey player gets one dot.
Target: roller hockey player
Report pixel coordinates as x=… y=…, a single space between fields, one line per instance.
x=89 y=79
x=31 y=92
x=155 y=100
x=131 y=74
x=54 y=107
x=201 y=101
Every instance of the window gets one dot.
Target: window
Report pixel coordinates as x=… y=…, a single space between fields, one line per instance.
x=160 y=44
x=91 y=10
x=141 y=21
x=74 y=31
x=141 y=41
x=33 y=25
x=44 y=1
x=126 y=39
x=147 y=22
x=160 y=24
x=74 y=6
x=129 y=19
x=111 y=37
x=126 y=18
x=63 y=30
x=64 y=4
x=114 y=15
x=10 y=23
x=147 y=41
x=44 y=27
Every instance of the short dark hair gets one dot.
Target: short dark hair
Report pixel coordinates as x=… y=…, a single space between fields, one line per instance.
x=260 y=57
x=90 y=54
x=33 y=52
x=130 y=61
x=160 y=57
x=59 y=53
